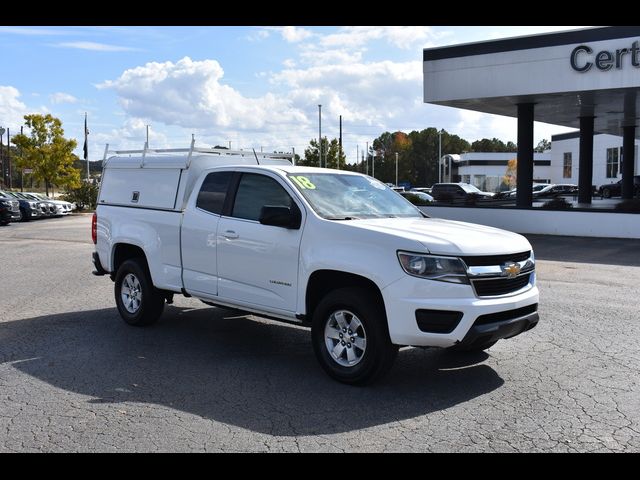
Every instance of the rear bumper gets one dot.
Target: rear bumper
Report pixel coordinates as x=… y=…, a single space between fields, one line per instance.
x=99 y=271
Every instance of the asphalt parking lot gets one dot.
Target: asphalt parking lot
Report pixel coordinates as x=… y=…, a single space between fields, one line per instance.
x=74 y=377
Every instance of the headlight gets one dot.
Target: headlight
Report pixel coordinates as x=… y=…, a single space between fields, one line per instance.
x=434 y=267
x=5 y=203
x=33 y=204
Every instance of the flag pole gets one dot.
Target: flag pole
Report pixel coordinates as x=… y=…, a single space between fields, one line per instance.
x=86 y=146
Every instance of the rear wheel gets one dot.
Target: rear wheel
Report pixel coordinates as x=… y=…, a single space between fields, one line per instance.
x=138 y=301
x=606 y=193
x=350 y=337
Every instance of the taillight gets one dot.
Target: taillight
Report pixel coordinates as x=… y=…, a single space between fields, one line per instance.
x=94 y=228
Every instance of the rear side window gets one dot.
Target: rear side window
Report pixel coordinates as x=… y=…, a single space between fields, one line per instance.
x=254 y=192
x=213 y=192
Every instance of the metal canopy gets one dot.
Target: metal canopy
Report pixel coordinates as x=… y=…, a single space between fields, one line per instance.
x=547 y=70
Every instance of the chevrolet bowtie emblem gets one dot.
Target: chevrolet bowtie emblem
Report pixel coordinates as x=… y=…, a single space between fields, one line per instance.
x=510 y=269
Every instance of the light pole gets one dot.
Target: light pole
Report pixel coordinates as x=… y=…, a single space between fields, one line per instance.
x=396 y=169
x=320 y=134
x=439 y=156
x=2 y=177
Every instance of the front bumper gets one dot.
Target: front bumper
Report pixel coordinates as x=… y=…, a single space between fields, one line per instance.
x=7 y=216
x=408 y=295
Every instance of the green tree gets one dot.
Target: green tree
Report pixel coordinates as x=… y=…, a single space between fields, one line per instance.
x=493 y=145
x=330 y=154
x=543 y=146
x=47 y=152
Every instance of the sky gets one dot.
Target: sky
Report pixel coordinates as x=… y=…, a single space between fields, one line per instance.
x=248 y=87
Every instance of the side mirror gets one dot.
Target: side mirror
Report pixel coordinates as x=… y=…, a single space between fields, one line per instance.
x=279 y=216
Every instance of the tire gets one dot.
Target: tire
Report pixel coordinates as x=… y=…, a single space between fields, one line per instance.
x=473 y=348
x=138 y=301
x=606 y=193
x=23 y=215
x=359 y=357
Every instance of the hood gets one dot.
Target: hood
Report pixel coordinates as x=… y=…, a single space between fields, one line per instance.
x=448 y=237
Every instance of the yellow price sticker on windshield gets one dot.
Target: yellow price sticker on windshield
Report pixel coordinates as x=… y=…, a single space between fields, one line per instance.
x=303 y=182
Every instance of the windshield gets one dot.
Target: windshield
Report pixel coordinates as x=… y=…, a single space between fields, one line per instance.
x=346 y=197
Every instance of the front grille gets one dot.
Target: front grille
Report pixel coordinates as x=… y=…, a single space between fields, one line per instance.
x=491 y=287
x=506 y=315
x=489 y=260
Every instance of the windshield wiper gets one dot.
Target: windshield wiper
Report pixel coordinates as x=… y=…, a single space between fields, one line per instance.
x=335 y=217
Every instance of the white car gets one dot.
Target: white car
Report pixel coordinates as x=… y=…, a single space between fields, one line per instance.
x=334 y=250
x=62 y=207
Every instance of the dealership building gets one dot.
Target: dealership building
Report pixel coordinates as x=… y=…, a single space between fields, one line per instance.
x=558 y=165
x=586 y=79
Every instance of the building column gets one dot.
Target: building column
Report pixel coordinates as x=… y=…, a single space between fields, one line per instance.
x=585 y=165
x=628 y=160
x=524 y=192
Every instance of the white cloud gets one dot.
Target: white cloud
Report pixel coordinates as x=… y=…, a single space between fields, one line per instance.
x=401 y=37
x=313 y=55
x=289 y=63
x=294 y=34
x=28 y=31
x=61 y=97
x=12 y=109
x=95 y=46
x=258 y=35
x=191 y=94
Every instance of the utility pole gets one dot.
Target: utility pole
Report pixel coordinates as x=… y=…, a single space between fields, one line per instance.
x=367 y=156
x=294 y=156
x=9 y=156
x=229 y=144
x=3 y=166
x=22 y=169
x=357 y=154
x=439 y=156
x=340 y=143
x=396 y=169
x=373 y=165
x=320 y=134
x=147 y=136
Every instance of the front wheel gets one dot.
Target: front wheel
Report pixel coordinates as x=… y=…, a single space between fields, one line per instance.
x=606 y=193
x=350 y=337
x=138 y=301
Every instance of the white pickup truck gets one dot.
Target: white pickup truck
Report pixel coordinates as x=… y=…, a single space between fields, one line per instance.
x=336 y=250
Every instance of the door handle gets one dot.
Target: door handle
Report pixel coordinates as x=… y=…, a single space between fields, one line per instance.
x=230 y=234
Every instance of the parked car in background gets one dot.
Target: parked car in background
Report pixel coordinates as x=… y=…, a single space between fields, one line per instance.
x=615 y=189
x=458 y=193
x=555 y=189
x=9 y=209
x=62 y=207
x=417 y=198
x=29 y=209
x=421 y=189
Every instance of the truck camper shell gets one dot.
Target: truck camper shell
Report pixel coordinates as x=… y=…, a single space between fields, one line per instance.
x=163 y=179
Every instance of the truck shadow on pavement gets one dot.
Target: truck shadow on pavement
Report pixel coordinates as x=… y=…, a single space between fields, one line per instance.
x=259 y=376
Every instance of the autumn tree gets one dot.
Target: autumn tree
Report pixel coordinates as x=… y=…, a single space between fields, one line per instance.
x=510 y=177
x=47 y=152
